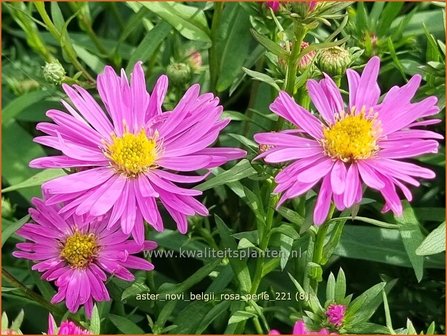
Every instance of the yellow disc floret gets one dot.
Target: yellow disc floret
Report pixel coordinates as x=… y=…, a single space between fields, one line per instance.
x=79 y=249
x=352 y=137
x=132 y=154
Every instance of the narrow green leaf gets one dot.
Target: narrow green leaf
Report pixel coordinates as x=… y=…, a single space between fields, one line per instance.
x=95 y=322
x=134 y=289
x=262 y=78
x=433 y=243
x=149 y=44
x=189 y=21
x=240 y=316
x=213 y=314
x=241 y=170
x=239 y=267
x=198 y=276
x=269 y=44
x=340 y=286
x=23 y=102
x=36 y=180
x=232 y=44
x=330 y=288
x=9 y=230
x=125 y=325
x=16 y=324
x=412 y=237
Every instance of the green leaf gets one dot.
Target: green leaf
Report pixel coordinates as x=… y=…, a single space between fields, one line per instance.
x=292 y=216
x=125 y=325
x=9 y=230
x=213 y=314
x=95 y=322
x=271 y=46
x=57 y=17
x=198 y=276
x=390 y=12
x=287 y=230
x=262 y=78
x=412 y=237
x=15 y=325
x=189 y=21
x=134 y=289
x=330 y=288
x=232 y=44
x=379 y=245
x=240 y=316
x=21 y=103
x=36 y=180
x=434 y=242
x=340 y=286
x=286 y=244
x=149 y=44
x=239 y=267
x=241 y=170
x=363 y=303
x=18 y=150
x=5 y=322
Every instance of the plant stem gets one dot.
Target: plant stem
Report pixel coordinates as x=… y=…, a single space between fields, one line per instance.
x=212 y=54
x=258 y=326
x=294 y=58
x=319 y=243
x=33 y=296
x=264 y=241
x=67 y=46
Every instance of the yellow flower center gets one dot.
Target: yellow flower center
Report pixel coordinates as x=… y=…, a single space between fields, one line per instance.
x=352 y=137
x=132 y=154
x=79 y=249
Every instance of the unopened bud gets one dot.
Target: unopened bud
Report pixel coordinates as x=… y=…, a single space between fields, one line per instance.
x=334 y=60
x=179 y=73
x=53 y=72
x=195 y=60
x=273 y=5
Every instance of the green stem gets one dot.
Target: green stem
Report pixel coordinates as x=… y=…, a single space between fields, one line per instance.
x=292 y=64
x=71 y=54
x=258 y=326
x=319 y=243
x=212 y=54
x=33 y=296
x=265 y=233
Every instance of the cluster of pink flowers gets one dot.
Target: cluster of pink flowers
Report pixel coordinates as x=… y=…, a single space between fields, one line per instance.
x=129 y=158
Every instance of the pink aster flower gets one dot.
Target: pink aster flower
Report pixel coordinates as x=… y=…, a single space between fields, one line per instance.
x=336 y=314
x=300 y=329
x=364 y=142
x=131 y=152
x=77 y=252
x=66 y=328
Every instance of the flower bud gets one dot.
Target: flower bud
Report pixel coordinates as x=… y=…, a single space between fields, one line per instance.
x=194 y=60
x=53 y=72
x=334 y=60
x=179 y=73
x=7 y=209
x=303 y=8
x=274 y=5
x=307 y=59
x=336 y=314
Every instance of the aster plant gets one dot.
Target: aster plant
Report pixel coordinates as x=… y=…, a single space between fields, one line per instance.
x=288 y=180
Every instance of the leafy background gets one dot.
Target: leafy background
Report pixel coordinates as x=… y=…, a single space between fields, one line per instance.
x=86 y=36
